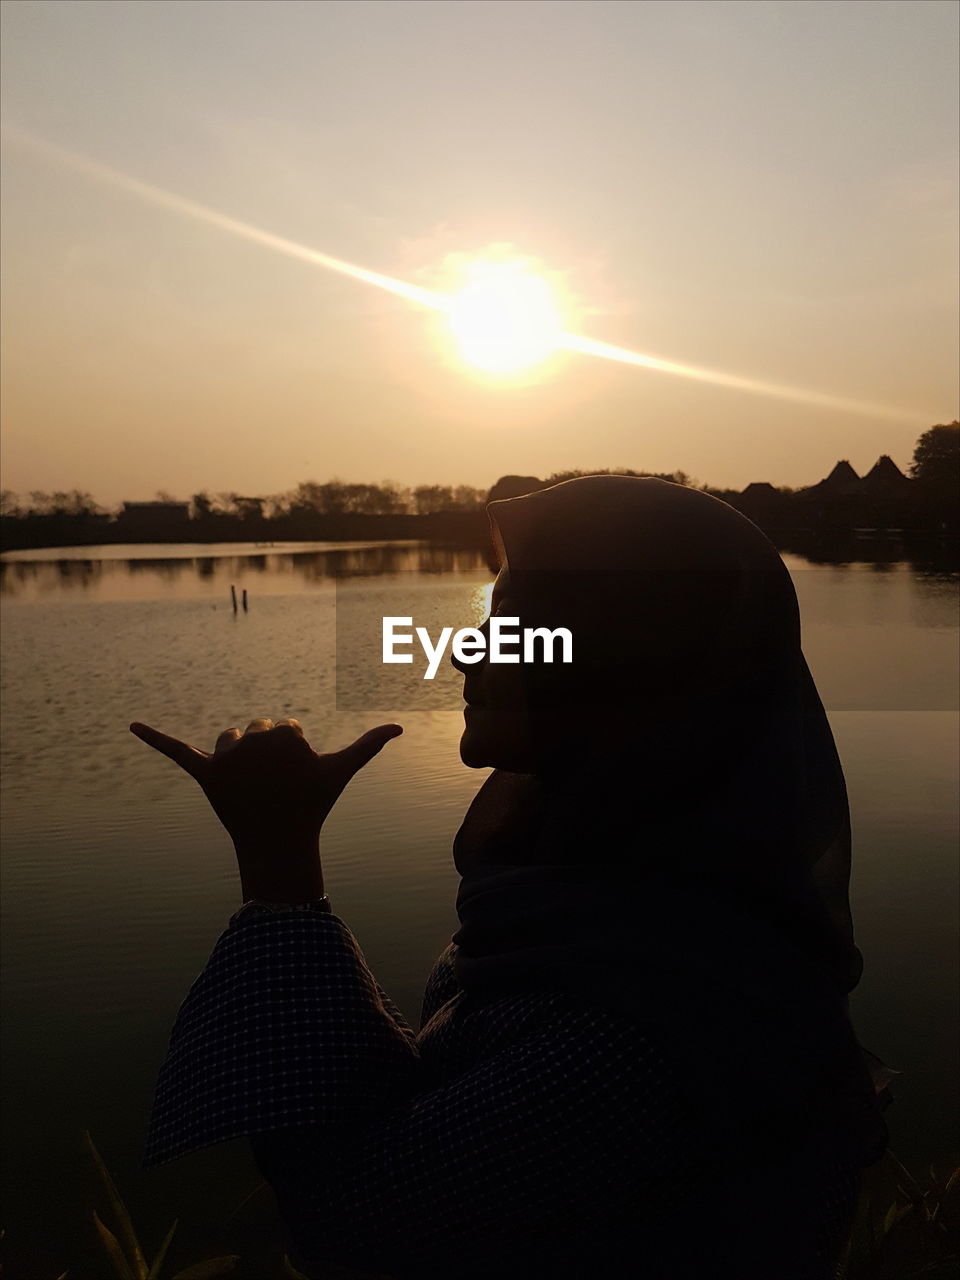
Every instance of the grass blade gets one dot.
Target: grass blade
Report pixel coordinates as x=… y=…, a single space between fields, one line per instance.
x=157 y=1263
x=137 y=1262
x=112 y=1246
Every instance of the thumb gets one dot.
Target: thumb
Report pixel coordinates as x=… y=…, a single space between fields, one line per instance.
x=369 y=744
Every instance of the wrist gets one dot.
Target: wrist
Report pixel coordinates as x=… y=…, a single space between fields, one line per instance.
x=279 y=873
x=254 y=907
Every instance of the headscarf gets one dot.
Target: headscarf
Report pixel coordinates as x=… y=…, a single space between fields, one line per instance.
x=683 y=843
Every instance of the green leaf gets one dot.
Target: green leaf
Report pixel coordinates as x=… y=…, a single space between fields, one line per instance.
x=157 y=1263
x=209 y=1269
x=112 y=1246
x=291 y=1270
x=137 y=1262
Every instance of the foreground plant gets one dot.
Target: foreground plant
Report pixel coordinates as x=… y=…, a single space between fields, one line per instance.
x=916 y=1235
x=123 y=1246
x=904 y=1230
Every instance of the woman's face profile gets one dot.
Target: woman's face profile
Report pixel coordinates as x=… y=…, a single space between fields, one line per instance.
x=497 y=731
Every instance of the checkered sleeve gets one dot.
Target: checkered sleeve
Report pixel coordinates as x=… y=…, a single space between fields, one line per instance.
x=285 y=1025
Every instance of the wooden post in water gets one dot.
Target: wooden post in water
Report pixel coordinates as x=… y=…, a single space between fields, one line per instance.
x=244 y=599
x=233 y=597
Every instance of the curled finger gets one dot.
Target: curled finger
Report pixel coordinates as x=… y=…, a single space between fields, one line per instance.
x=226 y=740
x=288 y=722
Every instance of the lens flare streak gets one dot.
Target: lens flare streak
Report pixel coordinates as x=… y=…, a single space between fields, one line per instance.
x=452 y=305
x=604 y=351
x=192 y=209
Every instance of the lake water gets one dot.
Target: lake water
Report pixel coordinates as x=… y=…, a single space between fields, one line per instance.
x=118 y=879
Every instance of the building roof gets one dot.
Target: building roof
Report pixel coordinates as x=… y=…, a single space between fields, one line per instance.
x=760 y=489
x=885 y=477
x=842 y=475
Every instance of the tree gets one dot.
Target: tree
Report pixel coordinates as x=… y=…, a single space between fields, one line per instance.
x=936 y=459
x=248 y=508
x=332 y=498
x=433 y=498
x=306 y=497
x=467 y=498
x=391 y=498
x=278 y=505
x=201 y=506
x=62 y=503
x=10 y=503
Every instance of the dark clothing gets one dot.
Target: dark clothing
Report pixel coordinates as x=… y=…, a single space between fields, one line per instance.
x=531 y=1135
x=687 y=732
x=636 y=1059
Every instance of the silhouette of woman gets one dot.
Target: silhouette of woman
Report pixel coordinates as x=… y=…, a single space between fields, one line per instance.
x=635 y=1057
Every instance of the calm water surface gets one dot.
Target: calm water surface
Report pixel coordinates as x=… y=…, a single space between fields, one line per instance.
x=118 y=879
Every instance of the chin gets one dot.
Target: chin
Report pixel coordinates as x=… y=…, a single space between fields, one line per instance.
x=474 y=752
x=491 y=743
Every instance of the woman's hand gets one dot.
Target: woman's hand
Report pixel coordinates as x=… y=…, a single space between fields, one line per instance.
x=272 y=792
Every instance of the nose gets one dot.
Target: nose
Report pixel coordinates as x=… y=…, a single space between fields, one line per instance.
x=475 y=667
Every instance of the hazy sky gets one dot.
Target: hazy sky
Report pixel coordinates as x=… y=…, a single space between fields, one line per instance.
x=768 y=189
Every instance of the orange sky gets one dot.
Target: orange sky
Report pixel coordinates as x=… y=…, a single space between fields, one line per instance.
x=765 y=190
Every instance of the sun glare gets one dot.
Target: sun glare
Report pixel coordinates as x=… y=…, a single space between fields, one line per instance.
x=481 y=600
x=505 y=318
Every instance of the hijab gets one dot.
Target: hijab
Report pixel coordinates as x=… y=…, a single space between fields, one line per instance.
x=680 y=852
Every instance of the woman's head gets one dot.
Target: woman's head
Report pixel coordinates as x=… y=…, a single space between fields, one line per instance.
x=670 y=595
x=687 y=732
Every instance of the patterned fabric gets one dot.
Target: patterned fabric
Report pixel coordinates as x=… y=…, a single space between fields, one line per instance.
x=285 y=1025
x=529 y=1137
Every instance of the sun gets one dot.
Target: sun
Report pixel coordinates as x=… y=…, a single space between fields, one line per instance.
x=505 y=318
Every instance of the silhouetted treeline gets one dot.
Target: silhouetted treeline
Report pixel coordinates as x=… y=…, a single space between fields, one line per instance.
x=335 y=511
